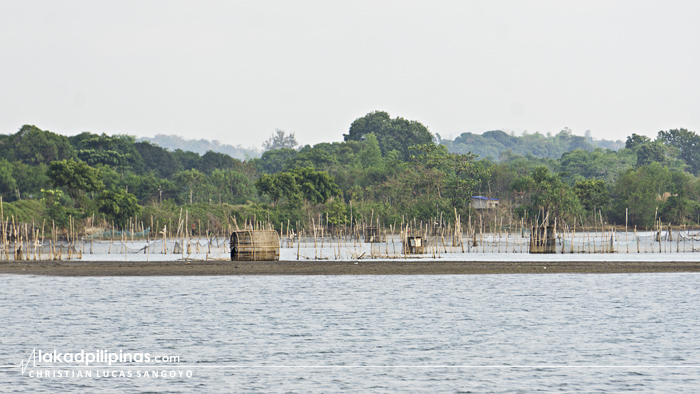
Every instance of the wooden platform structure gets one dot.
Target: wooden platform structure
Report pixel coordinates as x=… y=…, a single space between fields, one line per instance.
x=414 y=245
x=542 y=239
x=255 y=245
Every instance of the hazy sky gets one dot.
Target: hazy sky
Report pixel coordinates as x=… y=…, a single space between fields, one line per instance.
x=235 y=71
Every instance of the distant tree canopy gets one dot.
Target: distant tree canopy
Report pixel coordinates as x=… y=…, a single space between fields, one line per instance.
x=688 y=145
x=396 y=134
x=386 y=167
x=493 y=144
x=280 y=140
x=34 y=146
x=117 y=151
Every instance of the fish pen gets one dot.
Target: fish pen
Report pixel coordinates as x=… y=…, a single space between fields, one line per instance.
x=346 y=238
x=373 y=235
x=255 y=245
x=543 y=239
x=414 y=245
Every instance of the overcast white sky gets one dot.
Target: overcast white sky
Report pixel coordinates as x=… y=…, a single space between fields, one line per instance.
x=235 y=71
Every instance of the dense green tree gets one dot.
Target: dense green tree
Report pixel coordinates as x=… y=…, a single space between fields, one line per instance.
x=54 y=212
x=688 y=145
x=274 y=161
x=280 y=140
x=34 y=146
x=462 y=171
x=191 y=185
x=592 y=194
x=118 y=151
x=640 y=191
x=157 y=159
x=213 y=160
x=635 y=140
x=282 y=184
x=118 y=206
x=76 y=176
x=370 y=156
x=186 y=160
x=316 y=157
x=396 y=134
x=316 y=186
x=30 y=179
x=548 y=194
x=233 y=186
x=650 y=152
x=598 y=164
x=8 y=185
x=301 y=183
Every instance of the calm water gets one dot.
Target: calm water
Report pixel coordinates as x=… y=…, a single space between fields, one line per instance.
x=481 y=333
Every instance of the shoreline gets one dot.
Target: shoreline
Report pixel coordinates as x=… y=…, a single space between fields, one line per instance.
x=361 y=267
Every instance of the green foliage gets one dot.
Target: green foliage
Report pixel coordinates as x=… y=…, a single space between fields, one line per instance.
x=370 y=156
x=186 y=160
x=492 y=144
x=54 y=212
x=462 y=171
x=337 y=211
x=233 y=187
x=157 y=159
x=25 y=211
x=8 y=185
x=118 y=206
x=118 y=151
x=635 y=140
x=192 y=186
x=640 y=191
x=601 y=164
x=546 y=192
x=274 y=161
x=593 y=194
x=302 y=183
x=212 y=161
x=280 y=140
x=369 y=170
x=396 y=134
x=688 y=145
x=34 y=146
x=76 y=176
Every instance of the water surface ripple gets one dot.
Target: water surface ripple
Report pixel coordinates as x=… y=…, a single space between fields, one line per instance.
x=464 y=333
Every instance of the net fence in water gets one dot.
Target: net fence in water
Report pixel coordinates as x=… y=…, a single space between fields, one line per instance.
x=119 y=234
x=348 y=247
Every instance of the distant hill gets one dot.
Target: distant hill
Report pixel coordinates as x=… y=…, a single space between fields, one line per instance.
x=493 y=143
x=173 y=142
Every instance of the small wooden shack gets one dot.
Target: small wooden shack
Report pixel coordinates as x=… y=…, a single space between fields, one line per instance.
x=255 y=245
x=543 y=239
x=414 y=245
x=373 y=235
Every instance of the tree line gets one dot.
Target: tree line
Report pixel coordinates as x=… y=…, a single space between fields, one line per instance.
x=392 y=168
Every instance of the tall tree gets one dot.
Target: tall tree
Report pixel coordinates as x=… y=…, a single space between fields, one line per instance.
x=396 y=134
x=76 y=176
x=33 y=146
x=280 y=140
x=118 y=205
x=688 y=145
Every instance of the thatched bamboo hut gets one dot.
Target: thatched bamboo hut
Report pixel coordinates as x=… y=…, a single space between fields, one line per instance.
x=414 y=245
x=255 y=245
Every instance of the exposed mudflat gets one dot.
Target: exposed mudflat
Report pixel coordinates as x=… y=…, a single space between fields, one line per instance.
x=361 y=267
